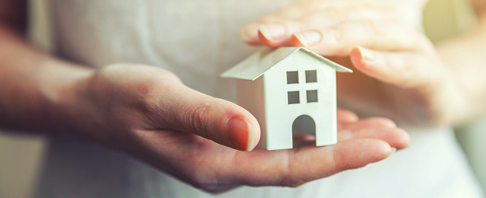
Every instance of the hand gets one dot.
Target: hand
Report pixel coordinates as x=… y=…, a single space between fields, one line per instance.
x=148 y=113
x=397 y=70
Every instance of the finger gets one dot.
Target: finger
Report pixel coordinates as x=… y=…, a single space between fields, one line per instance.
x=279 y=33
x=345 y=116
x=249 y=33
x=295 y=167
x=376 y=128
x=385 y=130
x=404 y=69
x=184 y=109
x=369 y=123
x=381 y=35
x=395 y=137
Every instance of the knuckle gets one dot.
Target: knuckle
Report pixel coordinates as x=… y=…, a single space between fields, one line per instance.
x=137 y=88
x=147 y=88
x=148 y=93
x=336 y=14
x=373 y=28
x=333 y=35
x=290 y=177
x=289 y=12
x=150 y=87
x=334 y=41
x=198 y=119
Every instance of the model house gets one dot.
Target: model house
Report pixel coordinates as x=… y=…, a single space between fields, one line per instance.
x=290 y=90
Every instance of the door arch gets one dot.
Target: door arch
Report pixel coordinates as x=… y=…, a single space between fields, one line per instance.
x=304 y=124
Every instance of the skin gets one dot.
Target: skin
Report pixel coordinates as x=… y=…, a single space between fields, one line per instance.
x=399 y=73
x=147 y=112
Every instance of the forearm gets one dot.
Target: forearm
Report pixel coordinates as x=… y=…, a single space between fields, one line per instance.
x=465 y=58
x=34 y=87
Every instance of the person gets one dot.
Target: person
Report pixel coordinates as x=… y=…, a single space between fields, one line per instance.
x=159 y=118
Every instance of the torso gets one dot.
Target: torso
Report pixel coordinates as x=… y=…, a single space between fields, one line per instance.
x=197 y=40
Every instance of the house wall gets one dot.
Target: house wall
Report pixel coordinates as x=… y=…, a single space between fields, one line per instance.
x=250 y=96
x=280 y=115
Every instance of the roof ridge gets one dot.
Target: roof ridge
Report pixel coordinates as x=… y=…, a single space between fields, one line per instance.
x=265 y=58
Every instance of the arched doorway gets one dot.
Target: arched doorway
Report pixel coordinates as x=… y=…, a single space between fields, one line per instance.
x=304 y=124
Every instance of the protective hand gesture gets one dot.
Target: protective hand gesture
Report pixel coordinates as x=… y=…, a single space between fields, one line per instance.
x=204 y=141
x=398 y=72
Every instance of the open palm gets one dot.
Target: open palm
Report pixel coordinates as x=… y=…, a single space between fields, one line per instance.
x=216 y=168
x=148 y=113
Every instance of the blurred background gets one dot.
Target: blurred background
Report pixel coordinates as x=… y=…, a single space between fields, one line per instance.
x=21 y=156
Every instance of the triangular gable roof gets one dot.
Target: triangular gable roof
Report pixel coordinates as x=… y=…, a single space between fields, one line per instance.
x=258 y=63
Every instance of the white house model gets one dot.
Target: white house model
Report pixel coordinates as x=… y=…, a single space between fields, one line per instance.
x=290 y=90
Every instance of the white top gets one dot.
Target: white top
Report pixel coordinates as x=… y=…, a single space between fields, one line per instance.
x=197 y=40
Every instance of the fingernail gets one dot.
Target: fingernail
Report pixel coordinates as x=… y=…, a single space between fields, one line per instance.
x=308 y=38
x=366 y=54
x=241 y=134
x=272 y=31
x=391 y=152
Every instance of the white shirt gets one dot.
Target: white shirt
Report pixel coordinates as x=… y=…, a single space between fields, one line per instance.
x=197 y=40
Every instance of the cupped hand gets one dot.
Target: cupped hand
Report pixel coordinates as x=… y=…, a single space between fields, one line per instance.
x=398 y=72
x=205 y=141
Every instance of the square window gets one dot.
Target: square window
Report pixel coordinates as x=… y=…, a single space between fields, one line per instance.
x=293 y=97
x=311 y=96
x=292 y=77
x=310 y=76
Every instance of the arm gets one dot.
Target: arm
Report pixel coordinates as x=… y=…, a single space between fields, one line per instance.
x=465 y=57
x=479 y=7
x=32 y=82
x=196 y=138
x=14 y=14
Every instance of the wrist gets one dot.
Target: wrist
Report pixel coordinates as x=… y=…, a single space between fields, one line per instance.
x=464 y=59
x=449 y=101
x=60 y=92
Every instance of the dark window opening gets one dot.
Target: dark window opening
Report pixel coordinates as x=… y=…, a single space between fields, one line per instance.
x=311 y=96
x=293 y=97
x=292 y=77
x=310 y=76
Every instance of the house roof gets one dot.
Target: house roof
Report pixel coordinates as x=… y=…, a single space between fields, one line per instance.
x=258 y=63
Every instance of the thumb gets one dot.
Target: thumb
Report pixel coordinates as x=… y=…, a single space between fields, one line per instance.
x=216 y=119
